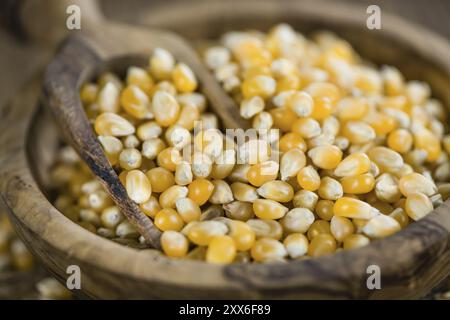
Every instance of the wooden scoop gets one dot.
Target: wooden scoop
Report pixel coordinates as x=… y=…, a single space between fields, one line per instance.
x=82 y=54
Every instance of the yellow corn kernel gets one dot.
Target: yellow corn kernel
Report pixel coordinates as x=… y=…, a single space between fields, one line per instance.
x=139 y=77
x=355 y=164
x=386 y=159
x=296 y=245
x=262 y=86
x=160 y=178
x=266 y=228
x=148 y=130
x=168 y=198
x=165 y=108
x=254 y=71
x=151 y=207
x=352 y=108
x=330 y=189
x=288 y=82
x=318 y=227
x=188 y=209
x=400 y=140
x=135 y=102
x=306 y=128
x=201 y=233
x=223 y=165
x=358 y=132
x=291 y=163
x=276 y=190
x=260 y=173
x=381 y=226
x=164 y=86
x=239 y=210
x=400 y=215
x=325 y=96
x=183 y=78
x=112 y=147
x=290 y=141
x=189 y=114
x=341 y=228
x=360 y=184
x=269 y=209
x=222 y=192
x=174 y=244
x=353 y=208
x=308 y=178
x=161 y=64
x=169 y=158
x=138 y=186
x=424 y=139
x=130 y=159
x=244 y=192
x=355 y=241
x=325 y=156
x=381 y=123
x=418 y=205
x=321 y=245
x=168 y=219
x=283 y=118
x=200 y=190
x=297 y=220
x=89 y=93
x=393 y=80
x=415 y=182
x=301 y=103
x=242 y=234
x=111 y=124
x=267 y=249
x=221 y=250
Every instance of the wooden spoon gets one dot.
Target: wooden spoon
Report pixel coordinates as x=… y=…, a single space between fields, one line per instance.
x=82 y=54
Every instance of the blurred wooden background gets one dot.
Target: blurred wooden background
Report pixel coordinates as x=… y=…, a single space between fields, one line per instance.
x=19 y=62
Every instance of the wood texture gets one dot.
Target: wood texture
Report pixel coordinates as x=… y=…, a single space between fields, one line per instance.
x=411 y=262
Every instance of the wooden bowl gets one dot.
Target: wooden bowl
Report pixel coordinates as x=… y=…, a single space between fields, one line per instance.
x=411 y=262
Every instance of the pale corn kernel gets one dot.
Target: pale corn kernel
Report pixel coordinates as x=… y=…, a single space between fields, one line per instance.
x=280 y=100
x=131 y=141
x=353 y=208
x=403 y=119
x=283 y=118
x=130 y=159
x=112 y=147
x=354 y=164
x=183 y=173
x=216 y=57
x=417 y=91
x=148 y=130
x=111 y=217
x=301 y=103
x=201 y=233
x=239 y=210
x=263 y=86
x=164 y=86
x=321 y=245
x=222 y=192
x=229 y=70
x=267 y=249
x=244 y=192
x=418 y=205
x=160 y=178
x=126 y=230
x=200 y=190
x=177 y=137
x=415 y=182
x=253 y=151
x=444 y=190
x=223 y=165
x=135 y=102
x=168 y=219
x=108 y=98
x=442 y=172
x=282 y=67
x=297 y=220
x=307 y=127
x=262 y=121
x=358 y=132
x=330 y=189
x=161 y=64
x=360 y=184
x=292 y=162
x=151 y=148
x=386 y=159
x=341 y=228
x=168 y=198
x=151 y=207
x=165 y=108
x=201 y=165
x=266 y=228
x=352 y=108
x=324 y=209
x=214 y=211
x=239 y=173
x=424 y=139
x=276 y=190
x=308 y=178
x=89 y=215
x=111 y=124
x=242 y=234
x=331 y=126
x=296 y=245
x=290 y=141
x=139 y=77
x=169 y=158
x=305 y=199
x=325 y=156
x=232 y=84
x=110 y=77
x=189 y=115
x=400 y=215
x=138 y=186
x=416 y=157
x=188 y=209
x=393 y=80
x=251 y=106
x=386 y=188
x=174 y=244
x=263 y=172
x=268 y=209
x=221 y=250
x=209 y=141
x=381 y=226
x=355 y=241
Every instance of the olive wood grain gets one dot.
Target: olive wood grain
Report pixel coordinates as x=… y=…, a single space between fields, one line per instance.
x=411 y=262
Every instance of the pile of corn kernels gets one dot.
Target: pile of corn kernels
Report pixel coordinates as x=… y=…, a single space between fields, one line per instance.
x=362 y=152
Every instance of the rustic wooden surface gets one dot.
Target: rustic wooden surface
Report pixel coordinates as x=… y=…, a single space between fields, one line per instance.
x=28 y=59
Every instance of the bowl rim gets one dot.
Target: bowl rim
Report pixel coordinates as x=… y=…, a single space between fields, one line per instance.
x=22 y=196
